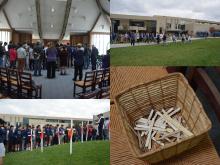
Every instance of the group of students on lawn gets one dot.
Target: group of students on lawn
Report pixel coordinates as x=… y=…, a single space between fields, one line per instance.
x=133 y=37
x=18 y=138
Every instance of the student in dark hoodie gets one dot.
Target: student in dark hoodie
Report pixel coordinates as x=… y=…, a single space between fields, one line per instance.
x=2 y=138
x=78 y=62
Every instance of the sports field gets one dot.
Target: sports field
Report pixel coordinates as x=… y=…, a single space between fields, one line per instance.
x=198 y=53
x=88 y=153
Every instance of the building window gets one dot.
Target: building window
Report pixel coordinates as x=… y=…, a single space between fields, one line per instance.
x=135 y=23
x=52 y=120
x=168 y=25
x=5 y=36
x=176 y=26
x=101 y=42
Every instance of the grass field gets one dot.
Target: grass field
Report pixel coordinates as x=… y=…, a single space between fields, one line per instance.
x=199 y=53
x=88 y=153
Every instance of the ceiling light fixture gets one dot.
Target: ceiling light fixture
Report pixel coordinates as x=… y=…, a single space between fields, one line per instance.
x=29 y=8
x=75 y=10
x=52 y=10
x=51 y=25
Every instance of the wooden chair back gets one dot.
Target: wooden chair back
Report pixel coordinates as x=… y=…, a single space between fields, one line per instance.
x=89 y=78
x=25 y=80
x=13 y=77
x=98 y=77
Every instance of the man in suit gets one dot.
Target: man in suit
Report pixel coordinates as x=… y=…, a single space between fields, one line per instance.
x=100 y=126
x=78 y=62
x=94 y=55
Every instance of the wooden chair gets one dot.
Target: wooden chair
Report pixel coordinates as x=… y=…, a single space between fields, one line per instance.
x=91 y=94
x=106 y=78
x=4 y=80
x=105 y=93
x=13 y=82
x=99 y=74
x=28 y=88
x=86 y=83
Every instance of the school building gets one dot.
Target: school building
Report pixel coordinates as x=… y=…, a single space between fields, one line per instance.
x=161 y=24
x=105 y=115
x=40 y=120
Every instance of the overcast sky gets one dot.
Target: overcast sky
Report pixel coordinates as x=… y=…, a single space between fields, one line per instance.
x=199 y=9
x=55 y=108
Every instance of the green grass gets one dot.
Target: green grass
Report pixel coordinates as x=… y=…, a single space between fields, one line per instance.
x=88 y=153
x=199 y=53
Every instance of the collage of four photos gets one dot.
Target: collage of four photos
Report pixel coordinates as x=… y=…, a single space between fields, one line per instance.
x=107 y=82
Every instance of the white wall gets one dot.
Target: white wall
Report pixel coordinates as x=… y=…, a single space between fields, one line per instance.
x=102 y=26
x=3 y=21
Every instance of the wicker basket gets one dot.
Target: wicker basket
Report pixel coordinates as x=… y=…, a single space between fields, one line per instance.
x=172 y=90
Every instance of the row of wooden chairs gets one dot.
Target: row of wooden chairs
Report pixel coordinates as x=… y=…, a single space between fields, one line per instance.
x=18 y=84
x=99 y=79
x=103 y=93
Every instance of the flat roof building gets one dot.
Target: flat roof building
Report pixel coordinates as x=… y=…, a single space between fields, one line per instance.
x=160 y=24
x=40 y=120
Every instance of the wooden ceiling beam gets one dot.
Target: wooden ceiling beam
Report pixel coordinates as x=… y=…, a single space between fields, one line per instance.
x=103 y=11
x=4 y=2
x=66 y=18
x=39 y=25
x=7 y=19
x=101 y=8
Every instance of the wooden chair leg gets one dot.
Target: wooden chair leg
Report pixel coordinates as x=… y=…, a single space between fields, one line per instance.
x=18 y=93
x=40 y=95
x=84 y=90
x=29 y=94
x=74 y=91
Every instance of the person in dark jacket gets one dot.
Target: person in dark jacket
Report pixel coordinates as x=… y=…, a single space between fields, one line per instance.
x=38 y=56
x=2 y=139
x=11 y=139
x=133 y=39
x=52 y=55
x=106 y=60
x=70 y=59
x=100 y=126
x=87 y=53
x=63 y=60
x=78 y=62
x=10 y=45
x=94 y=55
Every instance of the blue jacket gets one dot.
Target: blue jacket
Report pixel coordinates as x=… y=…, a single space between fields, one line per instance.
x=106 y=61
x=94 y=55
x=79 y=60
x=2 y=135
x=11 y=135
x=52 y=54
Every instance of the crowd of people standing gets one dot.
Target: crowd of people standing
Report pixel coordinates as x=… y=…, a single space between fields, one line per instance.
x=136 y=37
x=19 y=137
x=52 y=57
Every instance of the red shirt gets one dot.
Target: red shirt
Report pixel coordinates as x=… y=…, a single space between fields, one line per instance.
x=12 y=54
